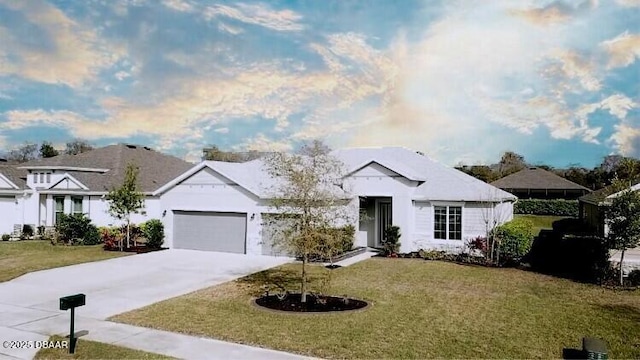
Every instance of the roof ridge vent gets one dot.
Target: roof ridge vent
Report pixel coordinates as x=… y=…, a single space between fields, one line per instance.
x=146 y=148
x=131 y=146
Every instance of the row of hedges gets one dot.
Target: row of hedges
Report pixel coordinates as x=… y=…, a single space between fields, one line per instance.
x=547 y=207
x=78 y=229
x=150 y=232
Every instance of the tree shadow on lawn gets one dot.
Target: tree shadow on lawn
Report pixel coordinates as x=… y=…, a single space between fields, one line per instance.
x=278 y=279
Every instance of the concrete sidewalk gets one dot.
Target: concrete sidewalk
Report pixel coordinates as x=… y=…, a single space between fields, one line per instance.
x=134 y=337
x=356 y=259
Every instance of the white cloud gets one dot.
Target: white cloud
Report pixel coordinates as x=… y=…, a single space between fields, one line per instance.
x=73 y=57
x=179 y=5
x=572 y=66
x=623 y=49
x=262 y=143
x=222 y=130
x=229 y=29
x=626 y=139
x=618 y=105
x=629 y=3
x=121 y=75
x=257 y=14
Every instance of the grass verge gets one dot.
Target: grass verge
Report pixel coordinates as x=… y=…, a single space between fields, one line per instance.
x=86 y=349
x=21 y=257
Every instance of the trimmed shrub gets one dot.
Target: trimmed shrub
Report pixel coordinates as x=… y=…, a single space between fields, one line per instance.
x=582 y=258
x=6 y=237
x=110 y=237
x=391 y=240
x=153 y=230
x=557 y=207
x=515 y=239
x=27 y=231
x=77 y=228
x=634 y=278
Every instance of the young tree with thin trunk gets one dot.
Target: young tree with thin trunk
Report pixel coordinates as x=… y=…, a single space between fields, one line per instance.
x=493 y=215
x=126 y=199
x=623 y=221
x=309 y=198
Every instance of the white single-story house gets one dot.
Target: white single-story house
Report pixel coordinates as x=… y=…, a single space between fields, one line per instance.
x=36 y=192
x=220 y=206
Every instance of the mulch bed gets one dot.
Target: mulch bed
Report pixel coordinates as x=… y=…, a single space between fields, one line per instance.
x=314 y=304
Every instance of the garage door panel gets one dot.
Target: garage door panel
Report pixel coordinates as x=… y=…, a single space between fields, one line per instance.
x=210 y=231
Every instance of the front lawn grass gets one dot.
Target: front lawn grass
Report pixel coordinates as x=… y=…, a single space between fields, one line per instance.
x=541 y=222
x=86 y=349
x=21 y=257
x=421 y=309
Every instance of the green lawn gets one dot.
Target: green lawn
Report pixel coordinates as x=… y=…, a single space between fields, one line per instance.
x=541 y=222
x=86 y=349
x=421 y=309
x=20 y=257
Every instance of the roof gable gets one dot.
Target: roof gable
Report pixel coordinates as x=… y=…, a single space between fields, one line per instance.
x=374 y=168
x=5 y=183
x=68 y=182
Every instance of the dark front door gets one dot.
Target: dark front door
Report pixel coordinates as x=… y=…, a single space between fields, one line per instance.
x=384 y=219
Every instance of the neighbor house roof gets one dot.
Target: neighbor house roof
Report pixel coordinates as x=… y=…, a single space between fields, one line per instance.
x=435 y=180
x=104 y=168
x=598 y=196
x=17 y=176
x=536 y=178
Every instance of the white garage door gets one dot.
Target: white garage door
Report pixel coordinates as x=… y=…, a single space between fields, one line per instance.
x=210 y=231
x=7 y=209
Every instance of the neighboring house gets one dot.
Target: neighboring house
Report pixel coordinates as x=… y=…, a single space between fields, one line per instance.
x=220 y=206
x=37 y=192
x=592 y=211
x=537 y=183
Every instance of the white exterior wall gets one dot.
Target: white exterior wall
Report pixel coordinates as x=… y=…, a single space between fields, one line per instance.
x=209 y=191
x=473 y=223
x=377 y=181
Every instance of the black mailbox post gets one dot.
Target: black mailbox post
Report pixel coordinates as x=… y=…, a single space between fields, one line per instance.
x=71 y=302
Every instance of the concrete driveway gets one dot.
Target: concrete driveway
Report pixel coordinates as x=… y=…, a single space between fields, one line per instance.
x=29 y=304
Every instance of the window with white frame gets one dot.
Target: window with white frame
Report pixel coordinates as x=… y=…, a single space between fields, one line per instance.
x=41 y=178
x=59 y=208
x=48 y=177
x=35 y=178
x=76 y=204
x=447 y=222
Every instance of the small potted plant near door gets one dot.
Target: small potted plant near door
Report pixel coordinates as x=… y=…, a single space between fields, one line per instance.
x=391 y=241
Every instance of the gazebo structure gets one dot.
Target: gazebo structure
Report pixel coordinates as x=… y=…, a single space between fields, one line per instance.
x=537 y=183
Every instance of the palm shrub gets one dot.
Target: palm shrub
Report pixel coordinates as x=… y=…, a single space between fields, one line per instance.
x=391 y=240
x=514 y=240
x=153 y=230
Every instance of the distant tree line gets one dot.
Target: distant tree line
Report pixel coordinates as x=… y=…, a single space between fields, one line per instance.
x=214 y=153
x=31 y=151
x=612 y=167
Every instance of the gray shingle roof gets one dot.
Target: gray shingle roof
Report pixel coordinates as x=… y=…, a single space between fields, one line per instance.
x=15 y=175
x=156 y=168
x=536 y=178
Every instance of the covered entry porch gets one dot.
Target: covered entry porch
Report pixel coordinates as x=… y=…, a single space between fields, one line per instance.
x=375 y=216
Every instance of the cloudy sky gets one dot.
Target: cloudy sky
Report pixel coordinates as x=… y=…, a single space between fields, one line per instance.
x=462 y=81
